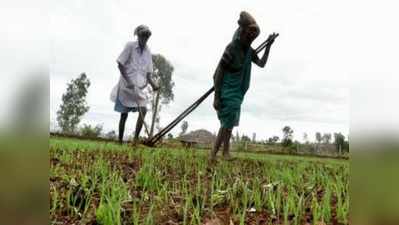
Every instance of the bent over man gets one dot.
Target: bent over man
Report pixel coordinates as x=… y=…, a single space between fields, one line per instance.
x=135 y=66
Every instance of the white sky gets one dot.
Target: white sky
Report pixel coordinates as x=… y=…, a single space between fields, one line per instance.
x=305 y=84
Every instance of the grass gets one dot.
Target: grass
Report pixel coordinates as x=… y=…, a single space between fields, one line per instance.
x=105 y=183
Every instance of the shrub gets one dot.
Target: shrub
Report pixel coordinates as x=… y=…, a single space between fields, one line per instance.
x=90 y=131
x=111 y=135
x=241 y=146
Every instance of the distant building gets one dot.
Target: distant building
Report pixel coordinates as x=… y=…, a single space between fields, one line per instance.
x=197 y=138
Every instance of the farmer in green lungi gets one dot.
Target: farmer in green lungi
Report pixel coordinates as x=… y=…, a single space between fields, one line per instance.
x=232 y=78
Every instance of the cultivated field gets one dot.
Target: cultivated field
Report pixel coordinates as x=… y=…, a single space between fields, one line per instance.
x=104 y=183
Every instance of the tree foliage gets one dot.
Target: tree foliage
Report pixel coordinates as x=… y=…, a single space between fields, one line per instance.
x=162 y=75
x=273 y=140
x=305 y=138
x=237 y=137
x=163 y=71
x=318 y=137
x=339 y=141
x=288 y=135
x=245 y=138
x=326 y=138
x=73 y=105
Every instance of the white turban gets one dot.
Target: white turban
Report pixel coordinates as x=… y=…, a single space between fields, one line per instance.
x=142 y=30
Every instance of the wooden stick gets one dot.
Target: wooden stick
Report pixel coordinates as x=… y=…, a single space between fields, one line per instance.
x=154 y=114
x=144 y=123
x=170 y=126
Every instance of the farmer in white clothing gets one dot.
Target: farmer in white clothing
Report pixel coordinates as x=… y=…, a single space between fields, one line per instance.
x=135 y=66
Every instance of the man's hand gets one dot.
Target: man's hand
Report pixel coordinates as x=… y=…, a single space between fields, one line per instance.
x=155 y=87
x=271 y=38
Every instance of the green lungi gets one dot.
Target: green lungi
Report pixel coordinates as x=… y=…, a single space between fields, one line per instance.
x=233 y=89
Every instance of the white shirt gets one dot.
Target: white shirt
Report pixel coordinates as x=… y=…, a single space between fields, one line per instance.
x=137 y=65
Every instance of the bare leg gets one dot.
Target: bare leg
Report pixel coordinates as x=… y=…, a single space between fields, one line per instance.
x=122 y=123
x=218 y=143
x=139 y=124
x=226 y=144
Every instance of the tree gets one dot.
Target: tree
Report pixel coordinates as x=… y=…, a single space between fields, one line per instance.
x=339 y=141
x=233 y=138
x=245 y=138
x=305 y=138
x=318 y=137
x=162 y=75
x=326 y=138
x=73 y=105
x=170 y=136
x=273 y=140
x=184 y=127
x=287 y=136
x=237 y=139
x=254 y=137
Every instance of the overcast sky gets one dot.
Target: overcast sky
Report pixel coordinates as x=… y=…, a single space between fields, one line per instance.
x=304 y=85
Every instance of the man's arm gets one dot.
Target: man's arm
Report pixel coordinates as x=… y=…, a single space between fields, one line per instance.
x=262 y=61
x=217 y=83
x=123 y=58
x=225 y=64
